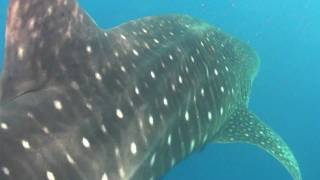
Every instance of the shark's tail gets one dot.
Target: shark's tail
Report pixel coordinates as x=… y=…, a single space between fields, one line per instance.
x=254 y=131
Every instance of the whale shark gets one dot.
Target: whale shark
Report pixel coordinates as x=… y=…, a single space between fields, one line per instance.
x=78 y=102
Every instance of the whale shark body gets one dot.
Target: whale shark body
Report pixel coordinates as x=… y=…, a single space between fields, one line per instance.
x=79 y=102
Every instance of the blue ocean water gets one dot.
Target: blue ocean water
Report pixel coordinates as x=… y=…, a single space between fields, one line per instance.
x=286 y=93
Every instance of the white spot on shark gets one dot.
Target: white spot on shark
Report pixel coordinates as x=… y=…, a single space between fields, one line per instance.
x=192 y=145
x=119 y=114
x=30 y=115
x=31 y=23
x=116 y=53
x=222 y=89
x=221 y=111
x=165 y=101
x=20 y=53
x=50 y=175
x=180 y=79
x=50 y=10
x=104 y=176
x=151 y=120
x=5 y=171
x=169 y=139
x=133 y=148
x=209 y=115
x=216 y=72
x=136 y=90
x=123 y=37
x=173 y=161
x=45 y=130
x=192 y=59
x=103 y=128
x=25 y=144
x=123 y=69
x=70 y=159
x=4 y=126
x=122 y=172
x=202 y=92
x=58 y=105
x=153 y=75
x=173 y=87
x=135 y=52
x=144 y=30
x=89 y=49
x=152 y=160
x=85 y=142
x=156 y=41
x=170 y=57
x=98 y=76
x=186 y=116
x=89 y=106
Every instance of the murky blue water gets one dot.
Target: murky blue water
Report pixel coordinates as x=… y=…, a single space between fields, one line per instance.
x=286 y=93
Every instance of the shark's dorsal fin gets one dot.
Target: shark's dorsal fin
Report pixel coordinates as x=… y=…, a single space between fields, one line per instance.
x=38 y=34
x=245 y=127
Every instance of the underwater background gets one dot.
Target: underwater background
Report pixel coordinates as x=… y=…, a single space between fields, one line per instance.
x=286 y=93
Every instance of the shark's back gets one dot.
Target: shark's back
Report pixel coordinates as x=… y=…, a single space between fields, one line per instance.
x=78 y=102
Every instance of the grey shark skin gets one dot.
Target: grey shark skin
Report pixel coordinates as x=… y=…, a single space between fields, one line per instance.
x=78 y=102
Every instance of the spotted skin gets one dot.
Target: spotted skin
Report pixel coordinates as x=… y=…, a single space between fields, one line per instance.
x=256 y=132
x=131 y=102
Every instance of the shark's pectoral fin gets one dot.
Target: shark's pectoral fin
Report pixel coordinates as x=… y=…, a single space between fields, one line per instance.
x=246 y=127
